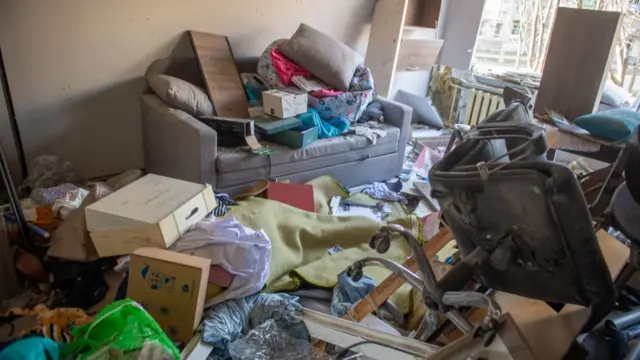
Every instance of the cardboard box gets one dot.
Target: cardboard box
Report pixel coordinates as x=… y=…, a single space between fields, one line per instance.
x=171 y=286
x=152 y=211
x=294 y=138
x=284 y=104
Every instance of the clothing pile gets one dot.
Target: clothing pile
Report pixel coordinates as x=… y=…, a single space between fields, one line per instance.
x=332 y=109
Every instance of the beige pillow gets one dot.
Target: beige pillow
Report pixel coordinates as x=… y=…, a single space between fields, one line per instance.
x=328 y=59
x=181 y=95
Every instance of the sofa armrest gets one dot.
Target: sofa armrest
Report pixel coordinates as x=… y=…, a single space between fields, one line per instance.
x=398 y=115
x=176 y=144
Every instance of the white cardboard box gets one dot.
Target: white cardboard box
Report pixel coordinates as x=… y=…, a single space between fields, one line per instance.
x=284 y=104
x=150 y=212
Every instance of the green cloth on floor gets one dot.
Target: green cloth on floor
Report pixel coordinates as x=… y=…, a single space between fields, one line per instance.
x=300 y=241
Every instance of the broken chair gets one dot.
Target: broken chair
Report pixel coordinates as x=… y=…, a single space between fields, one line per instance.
x=522 y=225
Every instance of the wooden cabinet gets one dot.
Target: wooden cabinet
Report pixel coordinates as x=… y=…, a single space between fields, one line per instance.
x=404 y=37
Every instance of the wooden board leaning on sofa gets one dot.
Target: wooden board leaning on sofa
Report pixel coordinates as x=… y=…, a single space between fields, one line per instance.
x=221 y=77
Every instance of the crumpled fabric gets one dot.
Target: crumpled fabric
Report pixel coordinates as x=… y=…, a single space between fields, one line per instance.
x=233 y=319
x=242 y=251
x=350 y=104
x=33 y=348
x=326 y=129
x=370 y=133
x=286 y=68
x=72 y=200
x=373 y=112
x=348 y=292
x=380 y=191
x=326 y=93
x=223 y=202
x=346 y=106
x=47 y=196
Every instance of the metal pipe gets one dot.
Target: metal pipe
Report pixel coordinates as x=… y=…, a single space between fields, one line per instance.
x=429 y=278
x=15 y=130
x=473 y=299
x=459 y=321
x=427 y=327
x=623 y=321
x=405 y=273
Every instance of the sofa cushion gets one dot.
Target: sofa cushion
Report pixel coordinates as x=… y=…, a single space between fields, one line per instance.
x=181 y=95
x=237 y=159
x=328 y=59
x=227 y=179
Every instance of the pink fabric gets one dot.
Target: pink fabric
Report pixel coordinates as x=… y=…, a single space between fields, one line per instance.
x=321 y=94
x=286 y=68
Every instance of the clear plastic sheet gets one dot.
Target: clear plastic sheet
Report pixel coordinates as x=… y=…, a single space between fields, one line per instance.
x=48 y=171
x=269 y=342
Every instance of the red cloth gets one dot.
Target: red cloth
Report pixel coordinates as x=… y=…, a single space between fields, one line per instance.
x=321 y=94
x=285 y=68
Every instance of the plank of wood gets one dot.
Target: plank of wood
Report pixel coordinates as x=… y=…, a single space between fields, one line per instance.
x=418 y=54
x=386 y=32
x=221 y=77
x=579 y=56
x=392 y=283
x=431 y=13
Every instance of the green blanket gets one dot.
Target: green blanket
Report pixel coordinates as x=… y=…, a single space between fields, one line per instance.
x=300 y=240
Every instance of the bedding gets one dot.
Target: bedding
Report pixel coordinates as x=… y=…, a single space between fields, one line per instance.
x=330 y=105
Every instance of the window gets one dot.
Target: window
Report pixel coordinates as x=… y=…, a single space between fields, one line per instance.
x=498 y=29
x=515 y=27
x=486 y=27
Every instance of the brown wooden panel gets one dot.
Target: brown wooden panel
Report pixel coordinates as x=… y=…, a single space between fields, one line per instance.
x=221 y=77
x=577 y=62
x=418 y=54
x=431 y=13
x=423 y=13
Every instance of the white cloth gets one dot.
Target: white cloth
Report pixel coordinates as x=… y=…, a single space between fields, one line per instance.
x=372 y=134
x=69 y=202
x=241 y=251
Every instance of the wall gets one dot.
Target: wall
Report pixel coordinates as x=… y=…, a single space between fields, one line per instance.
x=75 y=66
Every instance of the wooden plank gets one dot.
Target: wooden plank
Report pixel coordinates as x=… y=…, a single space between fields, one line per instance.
x=579 y=56
x=468 y=107
x=418 y=54
x=484 y=111
x=431 y=13
x=477 y=102
x=221 y=77
x=386 y=32
x=392 y=283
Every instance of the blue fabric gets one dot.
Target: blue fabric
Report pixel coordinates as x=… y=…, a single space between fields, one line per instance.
x=348 y=292
x=32 y=348
x=233 y=319
x=326 y=129
x=615 y=125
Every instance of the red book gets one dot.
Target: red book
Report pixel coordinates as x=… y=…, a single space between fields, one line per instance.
x=296 y=195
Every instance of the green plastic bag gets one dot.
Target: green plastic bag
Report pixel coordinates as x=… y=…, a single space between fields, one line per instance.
x=120 y=328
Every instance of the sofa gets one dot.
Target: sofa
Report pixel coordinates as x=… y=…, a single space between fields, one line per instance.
x=178 y=145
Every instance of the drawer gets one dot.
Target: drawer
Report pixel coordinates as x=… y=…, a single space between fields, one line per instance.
x=190 y=213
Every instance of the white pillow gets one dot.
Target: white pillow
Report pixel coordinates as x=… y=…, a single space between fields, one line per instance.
x=181 y=95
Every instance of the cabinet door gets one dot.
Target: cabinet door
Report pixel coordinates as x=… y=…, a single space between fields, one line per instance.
x=384 y=42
